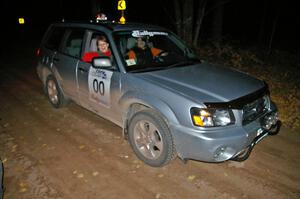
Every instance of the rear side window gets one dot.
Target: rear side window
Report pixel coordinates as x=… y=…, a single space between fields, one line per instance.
x=55 y=37
x=73 y=44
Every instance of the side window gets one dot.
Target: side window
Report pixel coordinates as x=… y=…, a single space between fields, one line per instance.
x=73 y=44
x=55 y=37
x=98 y=45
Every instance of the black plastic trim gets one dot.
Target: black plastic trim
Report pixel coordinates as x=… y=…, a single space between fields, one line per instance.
x=240 y=102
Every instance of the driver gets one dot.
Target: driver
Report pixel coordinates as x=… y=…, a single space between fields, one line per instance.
x=142 y=53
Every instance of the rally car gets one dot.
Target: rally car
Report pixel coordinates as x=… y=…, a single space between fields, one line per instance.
x=169 y=104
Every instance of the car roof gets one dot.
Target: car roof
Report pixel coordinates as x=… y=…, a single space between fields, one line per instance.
x=113 y=26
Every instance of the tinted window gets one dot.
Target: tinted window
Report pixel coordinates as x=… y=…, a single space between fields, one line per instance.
x=73 y=44
x=55 y=38
x=146 y=50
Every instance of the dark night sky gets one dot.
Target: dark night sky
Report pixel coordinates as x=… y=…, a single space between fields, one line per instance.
x=241 y=19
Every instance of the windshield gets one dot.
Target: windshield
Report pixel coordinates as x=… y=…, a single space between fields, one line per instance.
x=144 y=50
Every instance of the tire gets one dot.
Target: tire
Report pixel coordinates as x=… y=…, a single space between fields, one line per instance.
x=54 y=93
x=150 y=139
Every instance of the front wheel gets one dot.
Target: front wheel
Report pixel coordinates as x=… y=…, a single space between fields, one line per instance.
x=150 y=139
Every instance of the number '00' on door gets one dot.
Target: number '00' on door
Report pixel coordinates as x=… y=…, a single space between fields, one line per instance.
x=98 y=87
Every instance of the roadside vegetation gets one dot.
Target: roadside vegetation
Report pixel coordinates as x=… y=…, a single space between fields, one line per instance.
x=280 y=69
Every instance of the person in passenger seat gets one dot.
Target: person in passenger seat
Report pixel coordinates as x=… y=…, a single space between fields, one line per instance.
x=102 y=50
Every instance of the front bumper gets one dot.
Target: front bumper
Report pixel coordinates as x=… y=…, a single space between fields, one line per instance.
x=220 y=144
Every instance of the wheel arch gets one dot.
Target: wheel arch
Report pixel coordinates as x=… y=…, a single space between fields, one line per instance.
x=45 y=73
x=132 y=103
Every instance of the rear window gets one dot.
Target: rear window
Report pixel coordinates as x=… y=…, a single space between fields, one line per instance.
x=73 y=43
x=54 y=38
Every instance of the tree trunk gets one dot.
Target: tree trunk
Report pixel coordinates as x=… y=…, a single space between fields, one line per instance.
x=188 y=14
x=199 y=19
x=178 y=18
x=272 y=34
x=217 y=23
x=261 y=32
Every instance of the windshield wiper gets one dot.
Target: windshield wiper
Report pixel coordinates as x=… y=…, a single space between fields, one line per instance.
x=184 y=63
x=147 y=69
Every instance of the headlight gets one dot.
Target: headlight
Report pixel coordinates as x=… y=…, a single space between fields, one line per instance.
x=212 y=117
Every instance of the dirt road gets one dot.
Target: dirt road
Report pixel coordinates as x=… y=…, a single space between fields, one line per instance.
x=72 y=153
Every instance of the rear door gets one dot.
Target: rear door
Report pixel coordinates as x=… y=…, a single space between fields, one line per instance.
x=66 y=60
x=50 y=46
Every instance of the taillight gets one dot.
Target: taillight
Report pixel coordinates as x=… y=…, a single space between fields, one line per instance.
x=38 y=51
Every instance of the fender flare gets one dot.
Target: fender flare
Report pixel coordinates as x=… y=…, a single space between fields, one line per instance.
x=140 y=98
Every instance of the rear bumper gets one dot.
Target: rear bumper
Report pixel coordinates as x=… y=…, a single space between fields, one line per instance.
x=220 y=144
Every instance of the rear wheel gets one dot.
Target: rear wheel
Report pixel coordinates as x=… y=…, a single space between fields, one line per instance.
x=150 y=139
x=54 y=92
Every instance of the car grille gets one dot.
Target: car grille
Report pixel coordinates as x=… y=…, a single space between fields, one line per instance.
x=255 y=109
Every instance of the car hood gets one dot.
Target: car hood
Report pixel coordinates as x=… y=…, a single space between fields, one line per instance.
x=205 y=82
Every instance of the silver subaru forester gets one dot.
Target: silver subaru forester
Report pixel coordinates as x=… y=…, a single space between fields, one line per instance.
x=168 y=102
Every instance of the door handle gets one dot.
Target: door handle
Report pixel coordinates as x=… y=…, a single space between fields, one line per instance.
x=82 y=70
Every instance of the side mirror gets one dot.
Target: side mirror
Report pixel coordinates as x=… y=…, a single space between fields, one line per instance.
x=101 y=62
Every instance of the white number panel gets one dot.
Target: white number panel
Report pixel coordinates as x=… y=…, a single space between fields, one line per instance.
x=99 y=86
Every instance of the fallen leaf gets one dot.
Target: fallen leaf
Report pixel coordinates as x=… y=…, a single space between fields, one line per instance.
x=160 y=175
x=135 y=162
x=80 y=175
x=14 y=148
x=22 y=190
x=191 y=177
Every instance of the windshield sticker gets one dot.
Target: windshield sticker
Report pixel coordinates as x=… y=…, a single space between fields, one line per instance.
x=130 y=62
x=138 y=33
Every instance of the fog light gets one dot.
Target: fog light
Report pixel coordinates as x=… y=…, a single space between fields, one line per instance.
x=223 y=153
x=219 y=152
x=270 y=120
